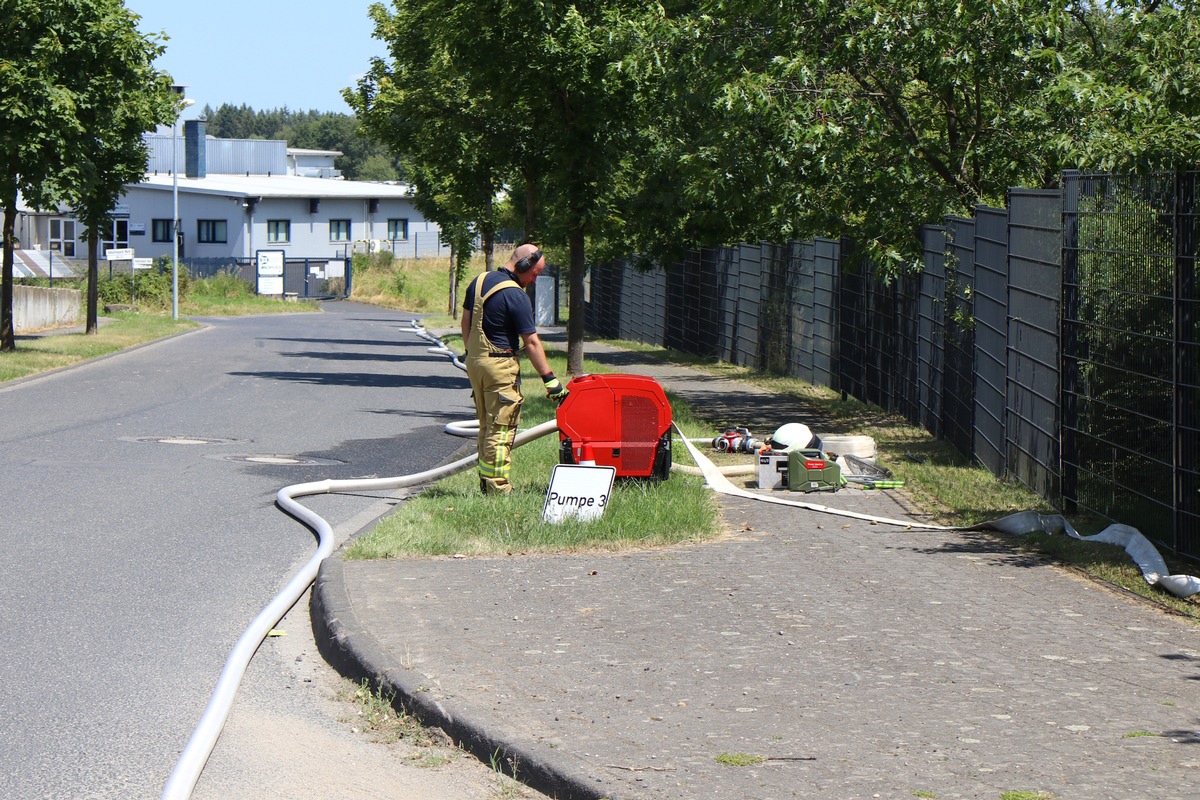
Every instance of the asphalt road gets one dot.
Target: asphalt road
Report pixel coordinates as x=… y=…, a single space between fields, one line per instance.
x=139 y=542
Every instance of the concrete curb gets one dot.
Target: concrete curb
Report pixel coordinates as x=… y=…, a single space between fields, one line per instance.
x=349 y=647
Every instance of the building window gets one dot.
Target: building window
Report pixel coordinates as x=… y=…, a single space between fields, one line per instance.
x=279 y=231
x=397 y=229
x=339 y=230
x=160 y=230
x=62 y=236
x=115 y=237
x=211 y=231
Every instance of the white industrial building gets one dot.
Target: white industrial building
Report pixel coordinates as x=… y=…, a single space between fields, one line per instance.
x=236 y=198
x=234 y=215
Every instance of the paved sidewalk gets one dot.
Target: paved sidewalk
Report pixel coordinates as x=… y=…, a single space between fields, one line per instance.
x=849 y=659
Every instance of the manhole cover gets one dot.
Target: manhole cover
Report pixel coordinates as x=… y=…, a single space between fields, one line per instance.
x=179 y=440
x=276 y=460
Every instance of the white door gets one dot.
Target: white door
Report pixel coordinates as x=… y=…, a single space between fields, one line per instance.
x=62 y=236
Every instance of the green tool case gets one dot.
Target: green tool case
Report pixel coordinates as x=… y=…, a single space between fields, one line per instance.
x=813 y=471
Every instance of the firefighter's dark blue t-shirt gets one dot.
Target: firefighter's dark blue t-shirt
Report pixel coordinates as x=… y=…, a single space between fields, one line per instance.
x=507 y=315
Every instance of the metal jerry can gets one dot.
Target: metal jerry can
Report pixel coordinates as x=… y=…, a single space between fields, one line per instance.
x=813 y=471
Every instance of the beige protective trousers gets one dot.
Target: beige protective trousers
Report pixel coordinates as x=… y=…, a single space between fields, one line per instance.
x=496 y=387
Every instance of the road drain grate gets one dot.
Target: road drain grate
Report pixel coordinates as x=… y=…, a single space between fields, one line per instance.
x=265 y=459
x=277 y=460
x=180 y=440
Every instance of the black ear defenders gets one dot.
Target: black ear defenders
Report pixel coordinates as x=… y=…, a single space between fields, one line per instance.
x=528 y=262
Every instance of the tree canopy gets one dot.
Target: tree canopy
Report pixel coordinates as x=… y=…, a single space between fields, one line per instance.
x=484 y=96
x=869 y=117
x=656 y=127
x=77 y=90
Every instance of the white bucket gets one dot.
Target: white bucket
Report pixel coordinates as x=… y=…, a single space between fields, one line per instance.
x=861 y=446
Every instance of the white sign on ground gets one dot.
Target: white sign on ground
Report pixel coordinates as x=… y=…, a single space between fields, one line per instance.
x=577 y=491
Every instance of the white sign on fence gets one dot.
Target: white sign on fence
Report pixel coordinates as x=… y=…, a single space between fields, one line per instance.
x=119 y=254
x=270 y=271
x=270 y=262
x=143 y=263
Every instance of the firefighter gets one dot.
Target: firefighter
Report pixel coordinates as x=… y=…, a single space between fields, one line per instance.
x=497 y=318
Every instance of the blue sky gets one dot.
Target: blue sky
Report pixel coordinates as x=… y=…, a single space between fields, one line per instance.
x=263 y=53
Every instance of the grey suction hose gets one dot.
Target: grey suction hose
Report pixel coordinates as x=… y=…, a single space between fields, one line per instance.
x=186 y=772
x=1135 y=544
x=1130 y=539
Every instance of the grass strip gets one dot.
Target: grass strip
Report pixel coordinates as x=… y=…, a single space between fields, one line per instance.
x=453 y=518
x=222 y=295
x=206 y=305
x=413 y=284
x=119 y=332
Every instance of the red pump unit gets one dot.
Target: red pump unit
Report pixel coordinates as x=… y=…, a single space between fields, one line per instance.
x=625 y=418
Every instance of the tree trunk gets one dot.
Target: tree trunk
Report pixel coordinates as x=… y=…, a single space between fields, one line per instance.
x=8 y=339
x=93 y=292
x=531 y=231
x=453 y=309
x=575 y=322
x=489 y=239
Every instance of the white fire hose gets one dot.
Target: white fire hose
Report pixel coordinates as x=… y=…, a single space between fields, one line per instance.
x=200 y=746
x=186 y=772
x=1135 y=544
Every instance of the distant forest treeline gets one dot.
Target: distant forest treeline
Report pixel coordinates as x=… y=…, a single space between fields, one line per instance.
x=361 y=159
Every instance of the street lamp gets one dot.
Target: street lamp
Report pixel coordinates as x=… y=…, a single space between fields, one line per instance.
x=183 y=103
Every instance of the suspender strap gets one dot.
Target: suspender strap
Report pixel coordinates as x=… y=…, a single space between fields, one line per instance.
x=482 y=344
x=501 y=285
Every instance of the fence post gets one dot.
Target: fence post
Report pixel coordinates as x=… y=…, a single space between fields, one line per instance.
x=1184 y=464
x=1068 y=451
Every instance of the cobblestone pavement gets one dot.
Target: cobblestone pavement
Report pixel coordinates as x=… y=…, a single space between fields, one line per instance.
x=840 y=658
